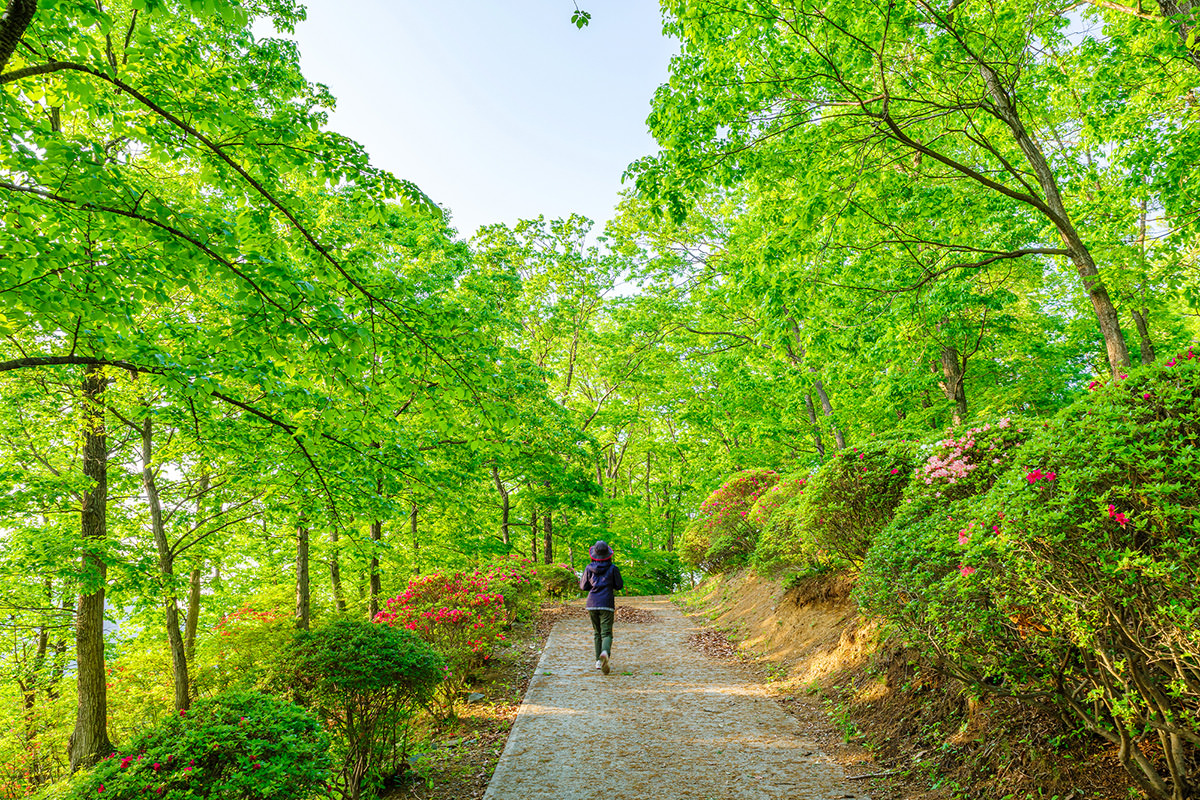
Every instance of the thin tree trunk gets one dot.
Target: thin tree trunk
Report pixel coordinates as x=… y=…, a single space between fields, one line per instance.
x=193 y=616
x=533 y=527
x=1141 y=320
x=89 y=742
x=376 y=582
x=827 y=409
x=812 y=421
x=505 y=506
x=166 y=569
x=303 y=595
x=548 y=538
x=416 y=543
x=335 y=570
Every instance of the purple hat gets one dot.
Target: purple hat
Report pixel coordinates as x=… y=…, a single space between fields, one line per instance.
x=600 y=551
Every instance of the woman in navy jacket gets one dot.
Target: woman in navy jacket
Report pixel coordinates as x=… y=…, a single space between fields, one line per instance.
x=600 y=580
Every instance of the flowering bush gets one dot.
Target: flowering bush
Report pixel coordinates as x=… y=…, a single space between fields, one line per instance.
x=364 y=680
x=241 y=745
x=247 y=645
x=722 y=532
x=852 y=497
x=780 y=543
x=463 y=615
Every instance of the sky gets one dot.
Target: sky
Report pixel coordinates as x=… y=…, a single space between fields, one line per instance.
x=498 y=109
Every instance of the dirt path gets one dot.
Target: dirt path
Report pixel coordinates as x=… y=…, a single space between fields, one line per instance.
x=667 y=723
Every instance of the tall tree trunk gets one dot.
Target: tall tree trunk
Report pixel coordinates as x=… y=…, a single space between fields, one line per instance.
x=376 y=582
x=547 y=538
x=1141 y=320
x=166 y=570
x=303 y=595
x=827 y=409
x=13 y=23
x=505 y=505
x=335 y=570
x=533 y=539
x=416 y=543
x=89 y=742
x=1184 y=12
x=953 y=382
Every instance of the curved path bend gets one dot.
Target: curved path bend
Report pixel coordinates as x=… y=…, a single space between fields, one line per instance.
x=667 y=723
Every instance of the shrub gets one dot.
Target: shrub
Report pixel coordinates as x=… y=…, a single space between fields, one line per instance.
x=238 y=745
x=365 y=680
x=853 y=496
x=780 y=543
x=722 y=533
x=557 y=580
x=247 y=645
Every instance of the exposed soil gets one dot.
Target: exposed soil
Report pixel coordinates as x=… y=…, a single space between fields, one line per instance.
x=880 y=711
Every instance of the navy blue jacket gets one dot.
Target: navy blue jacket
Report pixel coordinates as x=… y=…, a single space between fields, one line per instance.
x=600 y=580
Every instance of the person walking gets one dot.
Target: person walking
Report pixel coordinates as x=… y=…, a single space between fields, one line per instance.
x=601 y=579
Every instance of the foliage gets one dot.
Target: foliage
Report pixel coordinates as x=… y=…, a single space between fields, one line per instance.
x=246 y=648
x=651 y=572
x=240 y=745
x=722 y=531
x=365 y=680
x=852 y=497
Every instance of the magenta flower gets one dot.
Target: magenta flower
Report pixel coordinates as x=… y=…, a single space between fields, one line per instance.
x=1092 y=385
x=965 y=571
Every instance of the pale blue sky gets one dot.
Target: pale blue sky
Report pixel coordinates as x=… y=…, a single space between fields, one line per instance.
x=497 y=109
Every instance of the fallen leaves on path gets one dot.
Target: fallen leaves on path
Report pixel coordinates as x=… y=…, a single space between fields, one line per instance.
x=714 y=644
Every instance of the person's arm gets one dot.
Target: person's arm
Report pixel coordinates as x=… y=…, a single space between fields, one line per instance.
x=619 y=583
x=585 y=583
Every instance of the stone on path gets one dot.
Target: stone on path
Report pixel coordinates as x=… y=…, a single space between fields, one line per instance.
x=667 y=723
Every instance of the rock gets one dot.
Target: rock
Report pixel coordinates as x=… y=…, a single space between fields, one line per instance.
x=475 y=697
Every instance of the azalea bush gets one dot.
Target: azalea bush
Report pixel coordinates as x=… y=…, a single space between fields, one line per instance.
x=246 y=647
x=463 y=615
x=851 y=497
x=780 y=544
x=365 y=680
x=722 y=533
x=236 y=746
x=1069 y=575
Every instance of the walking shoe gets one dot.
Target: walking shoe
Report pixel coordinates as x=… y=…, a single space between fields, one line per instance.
x=604 y=663
x=598 y=666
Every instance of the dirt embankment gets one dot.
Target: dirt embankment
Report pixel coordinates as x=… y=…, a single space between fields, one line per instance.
x=900 y=727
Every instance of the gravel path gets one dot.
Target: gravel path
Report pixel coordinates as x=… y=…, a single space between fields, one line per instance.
x=666 y=724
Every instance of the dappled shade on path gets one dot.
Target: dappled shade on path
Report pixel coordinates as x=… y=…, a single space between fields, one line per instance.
x=666 y=723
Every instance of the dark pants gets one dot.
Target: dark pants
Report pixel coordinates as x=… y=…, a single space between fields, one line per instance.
x=602 y=624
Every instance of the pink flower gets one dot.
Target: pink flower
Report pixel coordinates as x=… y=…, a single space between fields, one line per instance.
x=1121 y=519
x=894 y=470
x=963 y=536
x=965 y=571
x=1092 y=385
x=1171 y=363
x=101 y=789
x=1034 y=476
x=1146 y=396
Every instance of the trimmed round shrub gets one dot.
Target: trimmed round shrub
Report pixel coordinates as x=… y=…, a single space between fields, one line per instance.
x=722 y=534
x=365 y=679
x=238 y=745
x=852 y=497
x=557 y=580
x=780 y=544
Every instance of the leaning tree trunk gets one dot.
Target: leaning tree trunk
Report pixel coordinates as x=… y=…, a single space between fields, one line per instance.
x=13 y=23
x=89 y=742
x=812 y=421
x=166 y=571
x=303 y=593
